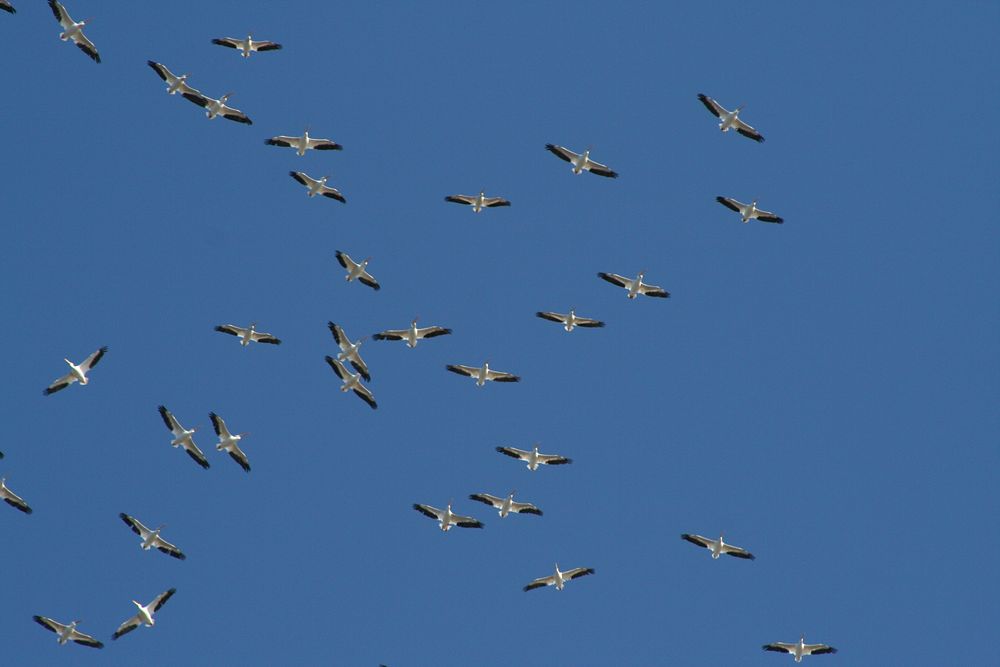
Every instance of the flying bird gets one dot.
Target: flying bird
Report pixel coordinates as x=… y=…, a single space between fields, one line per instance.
x=76 y=373
x=447 y=518
x=183 y=437
x=247 y=336
x=175 y=83
x=560 y=578
x=317 y=187
x=7 y=7
x=718 y=547
x=304 y=143
x=799 y=649
x=349 y=351
x=534 y=458
x=581 y=162
x=569 y=321
x=413 y=334
x=150 y=539
x=357 y=271
x=352 y=382
x=506 y=505
x=228 y=442
x=73 y=30
x=246 y=46
x=12 y=499
x=730 y=120
x=749 y=211
x=478 y=202
x=217 y=107
x=484 y=374
x=634 y=287
x=145 y=614
x=67 y=633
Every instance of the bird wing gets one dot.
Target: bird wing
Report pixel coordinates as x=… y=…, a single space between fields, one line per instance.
x=135 y=525
x=60 y=384
x=281 y=141
x=748 y=131
x=261 y=337
x=229 y=42
x=653 y=290
x=266 y=46
x=324 y=145
x=337 y=367
x=195 y=453
x=578 y=572
x=368 y=279
x=301 y=178
x=561 y=153
x=161 y=70
x=614 y=279
x=431 y=332
x=161 y=599
x=588 y=322
x=61 y=14
x=7 y=7
x=346 y=261
x=84 y=639
x=698 y=540
x=237 y=454
x=713 y=106
x=219 y=425
x=461 y=199
x=600 y=169
x=767 y=216
x=197 y=98
x=338 y=334
x=492 y=202
x=525 y=508
x=462 y=370
x=231 y=329
x=168 y=418
x=392 y=334
x=487 y=499
x=15 y=500
x=360 y=366
x=128 y=626
x=86 y=46
x=231 y=113
x=553 y=459
x=541 y=582
x=500 y=376
x=737 y=552
x=779 y=647
x=466 y=521
x=514 y=453
x=168 y=548
x=365 y=395
x=333 y=193
x=731 y=204
x=49 y=624
x=429 y=511
x=92 y=360
x=552 y=317
x=817 y=649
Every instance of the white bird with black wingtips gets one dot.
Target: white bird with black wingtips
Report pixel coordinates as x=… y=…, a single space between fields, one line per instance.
x=478 y=202
x=183 y=437
x=635 y=286
x=799 y=649
x=446 y=518
x=304 y=143
x=76 y=373
x=560 y=578
x=67 y=633
x=217 y=107
x=150 y=539
x=229 y=442
x=483 y=374
x=581 y=161
x=317 y=186
x=352 y=382
x=73 y=30
x=246 y=46
x=505 y=506
x=357 y=270
x=349 y=351
x=145 y=614
x=534 y=458
x=412 y=334
x=248 y=335
x=730 y=120
x=749 y=211
x=569 y=321
x=175 y=84
x=718 y=547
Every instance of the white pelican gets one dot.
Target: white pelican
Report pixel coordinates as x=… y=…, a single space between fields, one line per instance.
x=413 y=334
x=484 y=374
x=304 y=143
x=534 y=457
x=183 y=437
x=729 y=120
x=76 y=373
x=73 y=30
x=217 y=107
x=317 y=187
x=175 y=83
x=560 y=578
x=358 y=271
x=229 y=442
x=246 y=46
x=352 y=382
x=248 y=336
x=749 y=211
x=478 y=202
x=718 y=547
x=349 y=351
x=570 y=321
x=67 y=633
x=7 y=7
x=447 y=518
x=12 y=498
x=799 y=649
x=145 y=614
x=506 y=505
x=581 y=162
x=635 y=287
x=151 y=538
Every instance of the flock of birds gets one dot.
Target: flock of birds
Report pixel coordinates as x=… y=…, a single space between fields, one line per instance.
x=349 y=354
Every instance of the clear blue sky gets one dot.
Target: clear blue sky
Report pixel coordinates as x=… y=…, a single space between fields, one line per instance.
x=825 y=391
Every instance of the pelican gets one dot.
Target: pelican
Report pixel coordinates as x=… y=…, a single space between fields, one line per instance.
x=183 y=437
x=352 y=382
x=411 y=335
x=447 y=518
x=12 y=498
x=73 y=30
x=356 y=270
x=7 y=7
x=506 y=505
x=246 y=46
x=229 y=442
x=76 y=373
x=634 y=287
x=151 y=538
x=729 y=120
x=534 y=457
x=581 y=162
x=560 y=578
x=217 y=107
x=799 y=649
x=317 y=187
x=718 y=547
x=349 y=351
x=304 y=143
x=749 y=211
x=484 y=374
x=247 y=336
x=478 y=202
x=570 y=321
x=175 y=83
x=67 y=633
x=145 y=614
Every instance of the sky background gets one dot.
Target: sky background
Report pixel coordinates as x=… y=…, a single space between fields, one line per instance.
x=824 y=391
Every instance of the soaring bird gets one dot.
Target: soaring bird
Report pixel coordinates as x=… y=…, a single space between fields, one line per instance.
x=569 y=321
x=352 y=382
x=478 y=202
x=357 y=270
x=304 y=143
x=76 y=373
x=749 y=211
x=217 y=107
x=317 y=186
x=413 y=334
x=730 y=120
x=150 y=539
x=175 y=84
x=799 y=649
x=634 y=287
x=73 y=30
x=534 y=458
x=581 y=162
x=67 y=633
x=505 y=506
x=183 y=437
x=718 y=547
x=246 y=46
x=483 y=374
x=145 y=614
x=349 y=351
x=248 y=335
x=12 y=499
x=229 y=442
x=447 y=518
x=560 y=578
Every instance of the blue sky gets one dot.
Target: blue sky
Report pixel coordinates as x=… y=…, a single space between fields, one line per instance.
x=824 y=391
